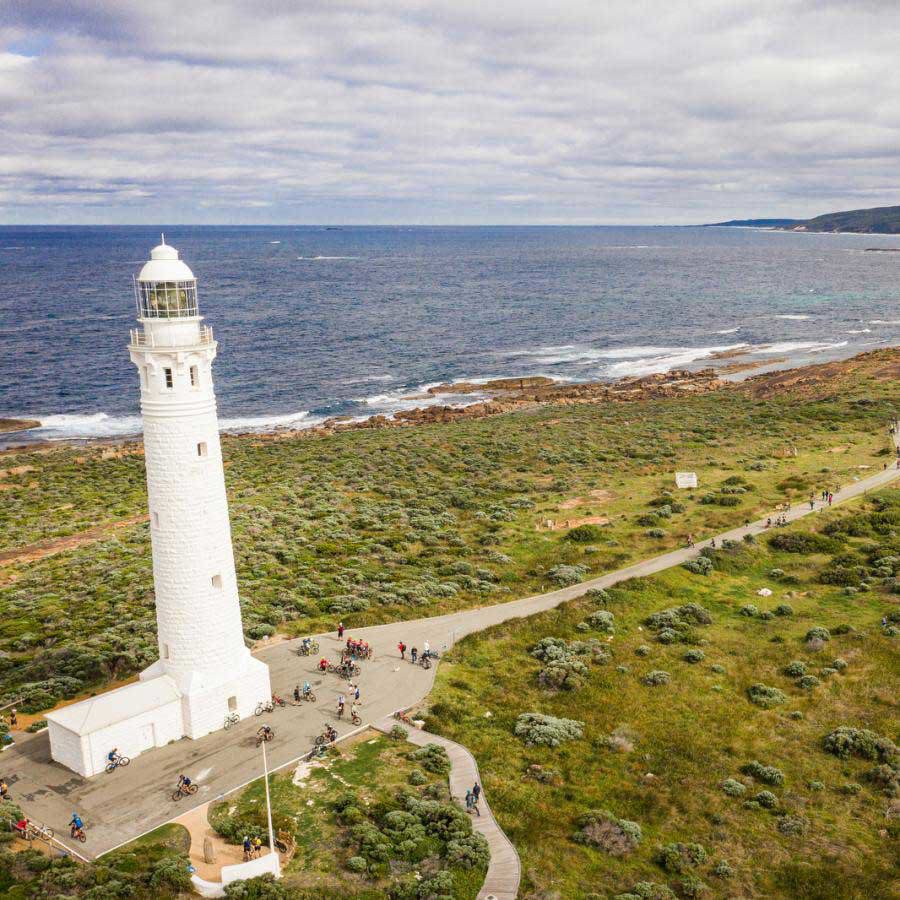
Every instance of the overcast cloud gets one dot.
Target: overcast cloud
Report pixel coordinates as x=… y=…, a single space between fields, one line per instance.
x=471 y=111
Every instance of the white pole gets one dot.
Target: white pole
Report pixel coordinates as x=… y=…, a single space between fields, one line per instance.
x=268 y=800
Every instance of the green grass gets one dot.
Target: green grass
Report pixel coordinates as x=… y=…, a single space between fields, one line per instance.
x=400 y=523
x=374 y=771
x=684 y=738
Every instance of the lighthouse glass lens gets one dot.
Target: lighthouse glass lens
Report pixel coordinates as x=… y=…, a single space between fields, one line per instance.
x=168 y=299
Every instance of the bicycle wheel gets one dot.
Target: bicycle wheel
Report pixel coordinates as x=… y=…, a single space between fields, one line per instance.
x=47 y=834
x=110 y=767
x=176 y=795
x=356 y=720
x=124 y=760
x=81 y=836
x=192 y=789
x=320 y=740
x=311 y=697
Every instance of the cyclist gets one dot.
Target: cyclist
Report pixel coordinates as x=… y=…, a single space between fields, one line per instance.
x=305 y=643
x=184 y=783
x=296 y=693
x=75 y=825
x=413 y=654
x=4 y=790
x=265 y=732
x=354 y=710
x=323 y=664
x=22 y=827
x=340 y=707
x=307 y=688
x=426 y=649
x=330 y=734
x=113 y=755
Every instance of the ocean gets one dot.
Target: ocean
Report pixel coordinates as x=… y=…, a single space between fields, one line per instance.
x=315 y=322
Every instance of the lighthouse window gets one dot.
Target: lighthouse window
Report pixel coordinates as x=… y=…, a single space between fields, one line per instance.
x=195 y=376
x=217 y=582
x=156 y=520
x=201 y=449
x=169 y=380
x=167 y=299
x=165 y=651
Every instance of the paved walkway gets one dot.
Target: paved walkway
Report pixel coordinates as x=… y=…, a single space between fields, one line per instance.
x=119 y=807
x=505 y=870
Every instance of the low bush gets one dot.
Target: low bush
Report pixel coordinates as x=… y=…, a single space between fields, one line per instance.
x=694 y=656
x=783 y=609
x=765 y=774
x=808 y=682
x=793 y=825
x=765 y=696
x=601 y=829
x=647 y=890
x=432 y=758
x=702 y=565
x=766 y=799
x=733 y=787
x=818 y=633
x=566 y=575
x=804 y=542
x=795 y=669
x=749 y=610
x=655 y=678
x=846 y=741
x=679 y=858
x=537 y=729
x=584 y=534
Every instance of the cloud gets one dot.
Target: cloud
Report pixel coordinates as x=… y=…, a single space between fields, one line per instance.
x=256 y=110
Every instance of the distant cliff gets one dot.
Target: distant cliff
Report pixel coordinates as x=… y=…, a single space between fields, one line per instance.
x=879 y=220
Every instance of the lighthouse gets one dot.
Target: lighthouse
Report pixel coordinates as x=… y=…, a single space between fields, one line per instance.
x=205 y=673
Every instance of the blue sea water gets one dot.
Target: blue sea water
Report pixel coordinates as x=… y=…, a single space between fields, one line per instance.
x=316 y=322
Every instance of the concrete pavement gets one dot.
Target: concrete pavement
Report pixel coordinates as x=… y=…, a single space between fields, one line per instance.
x=117 y=808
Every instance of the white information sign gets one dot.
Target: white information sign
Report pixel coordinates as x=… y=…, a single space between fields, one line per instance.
x=686 y=479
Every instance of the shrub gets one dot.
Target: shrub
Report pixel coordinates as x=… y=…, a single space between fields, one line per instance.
x=766 y=799
x=668 y=636
x=357 y=864
x=887 y=778
x=733 y=788
x=792 y=825
x=795 y=669
x=765 y=696
x=839 y=664
x=648 y=890
x=692 y=886
x=398 y=733
x=584 y=534
x=547 y=731
x=598 y=595
x=417 y=777
x=694 y=656
x=566 y=575
x=602 y=620
x=804 y=542
x=808 y=682
x=642 y=650
x=719 y=670
x=765 y=774
x=433 y=758
x=846 y=741
x=656 y=532
x=656 y=678
x=818 y=633
x=748 y=610
x=702 y=565
x=170 y=873
x=776 y=573
x=678 y=858
x=600 y=828
x=469 y=852
x=723 y=870
x=783 y=609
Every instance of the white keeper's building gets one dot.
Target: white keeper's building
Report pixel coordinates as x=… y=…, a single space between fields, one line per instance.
x=204 y=671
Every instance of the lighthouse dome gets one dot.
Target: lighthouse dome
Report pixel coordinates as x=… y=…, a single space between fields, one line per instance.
x=164 y=265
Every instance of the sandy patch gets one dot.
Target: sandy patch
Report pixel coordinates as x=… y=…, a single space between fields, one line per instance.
x=15 y=470
x=43 y=549
x=597 y=496
x=843 y=449
x=197 y=825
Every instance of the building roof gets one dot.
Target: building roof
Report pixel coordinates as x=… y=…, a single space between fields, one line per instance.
x=164 y=265
x=107 y=709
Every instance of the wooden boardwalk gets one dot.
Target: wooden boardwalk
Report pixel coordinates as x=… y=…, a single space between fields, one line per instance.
x=505 y=869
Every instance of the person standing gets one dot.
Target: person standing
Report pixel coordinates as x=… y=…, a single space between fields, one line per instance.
x=476 y=790
x=413 y=655
x=340 y=706
x=830 y=498
x=402 y=648
x=340 y=631
x=13 y=718
x=690 y=541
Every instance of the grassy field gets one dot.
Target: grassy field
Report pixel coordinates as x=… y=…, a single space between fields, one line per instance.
x=378 y=525
x=675 y=754
x=355 y=834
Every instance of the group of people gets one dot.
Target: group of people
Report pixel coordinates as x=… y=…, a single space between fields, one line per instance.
x=414 y=654
x=252 y=848
x=356 y=650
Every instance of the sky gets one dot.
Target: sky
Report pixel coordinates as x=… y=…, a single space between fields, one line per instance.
x=437 y=112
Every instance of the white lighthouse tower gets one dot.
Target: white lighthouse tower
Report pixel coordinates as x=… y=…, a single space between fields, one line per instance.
x=204 y=671
x=201 y=642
